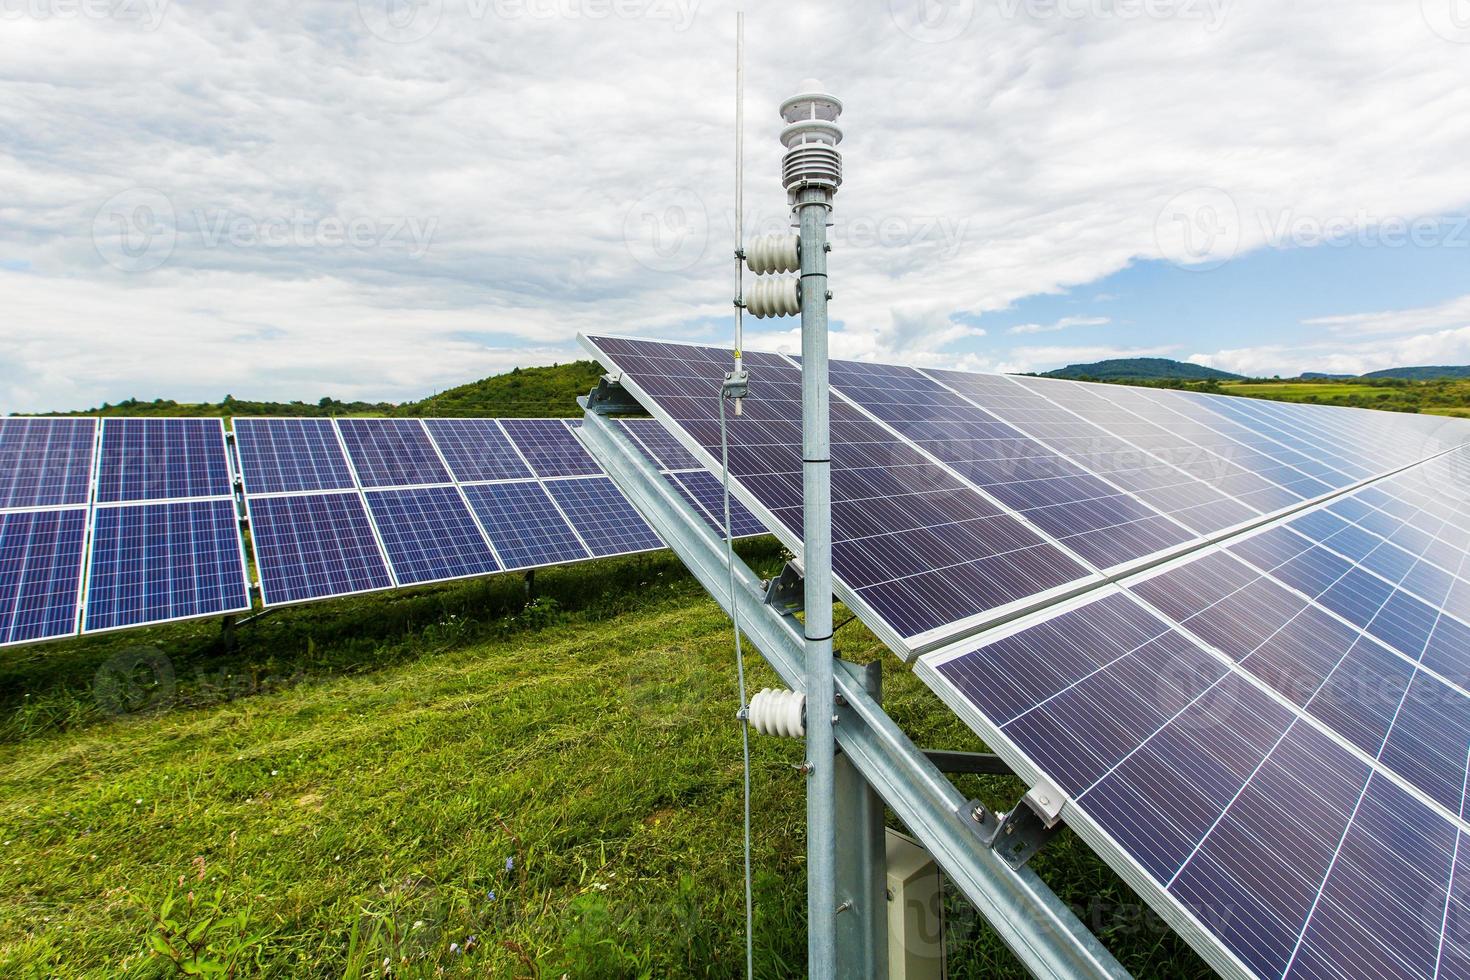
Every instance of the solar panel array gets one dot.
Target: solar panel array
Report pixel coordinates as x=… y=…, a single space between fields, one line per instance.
x=339 y=508
x=1235 y=634
x=129 y=522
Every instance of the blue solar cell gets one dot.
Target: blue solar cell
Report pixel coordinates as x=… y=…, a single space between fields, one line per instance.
x=429 y=535
x=162 y=459
x=40 y=574
x=392 y=452
x=290 y=455
x=660 y=445
x=46 y=462
x=311 y=547
x=603 y=516
x=524 y=524
x=550 y=447
x=153 y=563
x=709 y=494
x=477 y=450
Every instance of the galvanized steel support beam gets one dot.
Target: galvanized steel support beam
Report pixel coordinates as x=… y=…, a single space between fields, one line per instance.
x=1038 y=927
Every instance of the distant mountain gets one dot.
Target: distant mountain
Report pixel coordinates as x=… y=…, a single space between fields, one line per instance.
x=1421 y=373
x=1142 y=369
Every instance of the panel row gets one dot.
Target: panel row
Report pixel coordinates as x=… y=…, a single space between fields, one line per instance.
x=961 y=499
x=363 y=504
x=1272 y=735
x=132 y=522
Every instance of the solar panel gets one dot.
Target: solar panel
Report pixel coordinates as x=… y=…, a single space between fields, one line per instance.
x=40 y=573
x=315 y=546
x=45 y=462
x=290 y=455
x=927 y=554
x=162 y=459
x=429 y=535
x=603 y=517
x=1269 y=738
x=524 y=524
x=659 y=445
x=708 y=495
x=392 y=453
x=154 y=563
x=477 y=450
x=549 y=446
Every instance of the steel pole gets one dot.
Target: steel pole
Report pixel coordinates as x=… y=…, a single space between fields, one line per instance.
x=813 y=206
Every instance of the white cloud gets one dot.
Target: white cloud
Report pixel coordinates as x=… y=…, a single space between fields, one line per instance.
x=1440 y=347
x=1065 y=323
x=576 y=174
x=1454 y=313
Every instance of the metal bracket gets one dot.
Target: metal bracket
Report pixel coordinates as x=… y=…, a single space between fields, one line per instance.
x=1019 y=835
x=611 y=398
x=786 y=592
x=737 y=384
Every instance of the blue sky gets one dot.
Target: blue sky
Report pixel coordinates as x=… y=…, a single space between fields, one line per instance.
x=382 y=198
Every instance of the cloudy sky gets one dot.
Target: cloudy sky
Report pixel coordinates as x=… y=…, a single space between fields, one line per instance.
x=382 y=198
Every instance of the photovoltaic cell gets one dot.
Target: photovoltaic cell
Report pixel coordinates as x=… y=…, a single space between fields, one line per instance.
x=477 y=450
x=40 y=574
x=315 y=546
x=603 y=517
x=290 y=455
x=45 y=462
x=392 y=452
x=429 y=535
x=550 y=447
x=660 y=445
x=524 y=525
x=152 y=563
x=162 y=459
x=709 y=496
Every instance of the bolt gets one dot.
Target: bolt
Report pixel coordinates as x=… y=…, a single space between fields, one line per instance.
x=978 y=814
x=844 y=906
x=806 y=768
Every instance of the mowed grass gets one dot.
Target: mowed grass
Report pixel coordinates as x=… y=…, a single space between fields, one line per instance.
x=1323 y=391
x=450 y=781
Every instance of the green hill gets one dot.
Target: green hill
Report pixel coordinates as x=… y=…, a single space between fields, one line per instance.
x=1421 y=373
x=1141 y=369
x=533 y=392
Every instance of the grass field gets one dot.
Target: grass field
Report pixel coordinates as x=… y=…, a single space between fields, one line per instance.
x=1447 y=397
x=449 y=780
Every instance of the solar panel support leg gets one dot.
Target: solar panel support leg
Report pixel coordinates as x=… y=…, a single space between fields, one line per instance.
x=862 y=860
x=227 y=634
x=1043 y=932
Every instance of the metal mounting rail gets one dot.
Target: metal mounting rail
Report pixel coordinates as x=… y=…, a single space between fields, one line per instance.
x=1042 y=931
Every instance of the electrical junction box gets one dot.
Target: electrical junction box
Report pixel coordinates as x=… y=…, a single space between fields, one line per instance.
x=915 y=912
